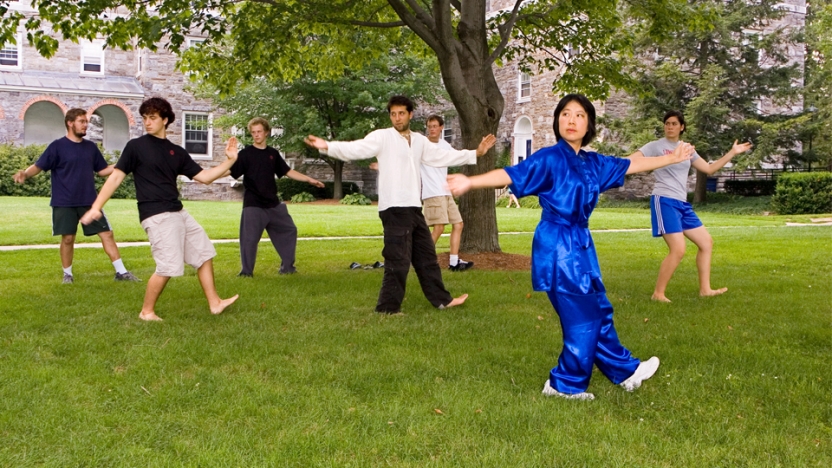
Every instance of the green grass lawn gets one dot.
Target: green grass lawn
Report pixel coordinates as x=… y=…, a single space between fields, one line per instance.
x=302 y=372
x=30 y=220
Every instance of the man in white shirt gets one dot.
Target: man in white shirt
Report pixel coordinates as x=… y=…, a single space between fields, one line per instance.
x=439 y=206
x=407 y=239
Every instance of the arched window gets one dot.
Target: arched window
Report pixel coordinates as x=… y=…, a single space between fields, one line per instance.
x=522 y=139
x=43 y=123
x=115 y=129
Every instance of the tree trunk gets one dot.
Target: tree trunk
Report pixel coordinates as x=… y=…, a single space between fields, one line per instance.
x=464 y=60
x=700 y=193
x=337 y=186
x=472 y=87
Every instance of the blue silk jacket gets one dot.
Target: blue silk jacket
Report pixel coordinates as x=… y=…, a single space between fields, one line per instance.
x=568 y=185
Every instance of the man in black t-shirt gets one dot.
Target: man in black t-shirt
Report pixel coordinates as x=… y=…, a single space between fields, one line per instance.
x=175 y=237
x=73 y=162
x=259 y=164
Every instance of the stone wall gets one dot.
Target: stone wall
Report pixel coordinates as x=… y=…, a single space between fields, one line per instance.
x=220 y=190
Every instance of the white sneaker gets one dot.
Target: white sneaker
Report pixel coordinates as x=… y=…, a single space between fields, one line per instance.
x=549 y=391
x=644 y=371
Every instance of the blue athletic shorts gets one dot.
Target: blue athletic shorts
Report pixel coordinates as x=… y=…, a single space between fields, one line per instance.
x=670 y=216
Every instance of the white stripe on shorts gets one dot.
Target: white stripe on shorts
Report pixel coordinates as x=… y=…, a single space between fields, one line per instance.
x=658 y=207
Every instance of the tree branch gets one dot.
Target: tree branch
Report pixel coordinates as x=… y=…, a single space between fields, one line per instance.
x=505 y=32
x=444 y=27
x=425 y=31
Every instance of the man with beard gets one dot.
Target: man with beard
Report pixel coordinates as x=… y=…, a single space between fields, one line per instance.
x=407 y=239
x=73 y=162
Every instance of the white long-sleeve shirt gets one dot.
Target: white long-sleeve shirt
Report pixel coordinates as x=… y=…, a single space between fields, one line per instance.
x=434 y=179
x=399 y=178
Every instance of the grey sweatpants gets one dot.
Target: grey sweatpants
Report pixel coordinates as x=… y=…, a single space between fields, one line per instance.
x=282 y=232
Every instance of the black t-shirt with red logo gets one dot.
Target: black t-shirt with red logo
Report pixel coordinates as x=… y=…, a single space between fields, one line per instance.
x=259 y=168
x=155 y=164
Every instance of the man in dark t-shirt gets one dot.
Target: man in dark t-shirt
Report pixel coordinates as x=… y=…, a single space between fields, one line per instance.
x=175 y=237
x=259 y=164
x=73 y=162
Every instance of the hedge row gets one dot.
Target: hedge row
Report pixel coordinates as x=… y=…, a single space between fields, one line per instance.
x=290 y=187
x=14 y=158
x=751 y=188
x=803 y=193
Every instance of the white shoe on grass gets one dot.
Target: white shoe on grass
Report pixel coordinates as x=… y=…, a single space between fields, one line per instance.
x=549 y=391
x=644 y=371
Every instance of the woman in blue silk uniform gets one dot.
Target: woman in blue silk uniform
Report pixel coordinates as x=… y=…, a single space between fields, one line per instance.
x=568 y=181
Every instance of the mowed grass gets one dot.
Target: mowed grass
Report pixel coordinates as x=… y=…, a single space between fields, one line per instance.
x=29 y=220
x=302 y=372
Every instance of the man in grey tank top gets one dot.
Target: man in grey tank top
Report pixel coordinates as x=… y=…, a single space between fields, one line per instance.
x=672 y=216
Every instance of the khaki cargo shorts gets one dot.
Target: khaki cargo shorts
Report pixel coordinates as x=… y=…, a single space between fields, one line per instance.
x=176 y=239
x=441 y=210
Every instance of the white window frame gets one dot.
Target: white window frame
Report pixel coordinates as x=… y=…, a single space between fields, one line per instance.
x=92 y=45
x=520 y=83
x=140 y=63
x=448 y=130
x=19 y=46
x=209 y=155
x=194 y=40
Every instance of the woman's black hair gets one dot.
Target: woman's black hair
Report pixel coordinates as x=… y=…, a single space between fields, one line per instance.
x=679 y=116
x=590 y=113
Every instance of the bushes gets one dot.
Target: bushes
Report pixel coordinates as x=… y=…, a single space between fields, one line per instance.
x=291 y=187
x=14 y=158
x=803 y=193
x=750 y=188
x=302 y=197
x=356 y=199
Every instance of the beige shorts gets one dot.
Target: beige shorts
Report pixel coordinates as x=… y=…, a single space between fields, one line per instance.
x=176 y=239
x=441 y=210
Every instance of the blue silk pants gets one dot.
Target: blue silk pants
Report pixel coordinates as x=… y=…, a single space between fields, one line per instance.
x=589 y=338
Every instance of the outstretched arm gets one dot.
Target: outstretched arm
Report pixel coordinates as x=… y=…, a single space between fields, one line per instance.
x=438 y=157
x=460 y=183
x=710 y=168
x=366 y=148
x=640 y=163
x=104 y=195
x=293 y=174
x=106 y=171
x=21 y=176
x=209 y=175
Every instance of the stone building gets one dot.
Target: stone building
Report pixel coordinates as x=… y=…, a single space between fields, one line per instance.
x=110 y=84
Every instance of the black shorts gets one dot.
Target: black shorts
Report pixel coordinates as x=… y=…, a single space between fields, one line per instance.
x=65 y=221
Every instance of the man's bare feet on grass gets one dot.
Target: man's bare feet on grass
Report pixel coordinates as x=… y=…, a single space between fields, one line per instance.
x=713 y=292
x=660 y=297
x=217 y=309
x=149 y=316
x=457 y=301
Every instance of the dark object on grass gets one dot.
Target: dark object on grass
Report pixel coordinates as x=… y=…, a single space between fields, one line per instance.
x=356 y=265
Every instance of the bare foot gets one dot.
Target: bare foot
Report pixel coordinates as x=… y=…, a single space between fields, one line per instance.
x=217 y=309
x=712 y=292
x=457 y=301
x=660 y=297
x=149 y=316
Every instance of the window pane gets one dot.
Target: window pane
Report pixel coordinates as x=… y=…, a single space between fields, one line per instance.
x=8 y=56
x=196 y=133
